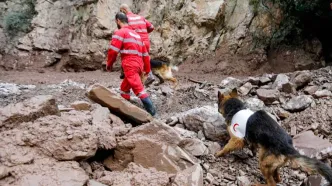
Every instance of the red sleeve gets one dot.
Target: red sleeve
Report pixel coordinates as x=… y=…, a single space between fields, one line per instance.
x=149 y=26
x=146 y=60
x=114 y=47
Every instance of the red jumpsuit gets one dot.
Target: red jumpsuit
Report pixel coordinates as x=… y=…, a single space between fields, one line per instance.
x=135 y=60
x=142 y=26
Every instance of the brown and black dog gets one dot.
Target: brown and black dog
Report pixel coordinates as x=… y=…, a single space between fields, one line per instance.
x=162 y=70
x=274 y=144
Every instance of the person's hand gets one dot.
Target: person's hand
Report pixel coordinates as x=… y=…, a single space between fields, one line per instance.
x=108 y=68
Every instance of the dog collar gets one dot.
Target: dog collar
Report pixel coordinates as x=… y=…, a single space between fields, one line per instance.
x=239 y=123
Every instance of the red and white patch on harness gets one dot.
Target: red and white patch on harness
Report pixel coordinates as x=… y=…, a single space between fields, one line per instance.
x=239 y=123
x=234 y=126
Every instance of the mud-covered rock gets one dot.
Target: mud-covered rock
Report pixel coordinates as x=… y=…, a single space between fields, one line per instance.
x=69 y=137
x=81 y=105
x=192 y=176
x=194 y=146
x=230 y=83
x=268 y=96
x=135 y=174
x=280 y=80
x=245 y=89
x=117 y=104
x=301 y=79
x=307 y=143
x=151 y=145
x=28 y=110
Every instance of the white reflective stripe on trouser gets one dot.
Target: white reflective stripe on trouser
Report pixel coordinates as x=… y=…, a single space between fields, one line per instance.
x=137 y=23
x=141 y=31
x=131 y=40
x=141 y=93
x=131 y=52
x=114 y=48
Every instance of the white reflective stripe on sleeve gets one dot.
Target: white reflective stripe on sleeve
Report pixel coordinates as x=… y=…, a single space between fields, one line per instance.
x=117 y=37
x=131 y=40
x=145 y=54
x=141 y=30
x=135 y=35
x=137 y=23
x=114 y=48
x=131 y=52
x=122 y=92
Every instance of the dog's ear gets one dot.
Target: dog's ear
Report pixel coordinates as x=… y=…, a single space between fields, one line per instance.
x=234 y=93
x=220 y=96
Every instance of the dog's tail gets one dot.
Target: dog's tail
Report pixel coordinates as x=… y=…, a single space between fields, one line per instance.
x=175 y=68
x=314 y=165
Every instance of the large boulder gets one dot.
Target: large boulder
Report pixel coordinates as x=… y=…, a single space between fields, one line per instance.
x=69 y=137
x=195 y=147
x=135 y=175
x=28 y=110
x=117 y=104
x=47 y=172
x=268 y=95
x=151 y=145
x=312 y=146
x=298 y=103
x=193 y=176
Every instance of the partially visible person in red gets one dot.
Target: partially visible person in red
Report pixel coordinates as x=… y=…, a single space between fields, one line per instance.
x=143 y=27
x=135 y=61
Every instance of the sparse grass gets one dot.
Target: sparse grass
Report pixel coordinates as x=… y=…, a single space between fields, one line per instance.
x=20 y=21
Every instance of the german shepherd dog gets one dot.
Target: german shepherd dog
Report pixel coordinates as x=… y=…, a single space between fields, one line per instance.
x=274 y=144
x=162 y=70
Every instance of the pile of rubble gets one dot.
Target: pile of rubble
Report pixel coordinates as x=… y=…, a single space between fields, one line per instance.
x=109 y=141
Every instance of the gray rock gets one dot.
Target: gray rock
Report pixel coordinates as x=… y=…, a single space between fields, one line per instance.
x=280 y=80
x=230 y=83
x=312 y=146
x=95 y=183
x=268 y=96
x=322 y=93
x=264 y=80
x=3 y=172
x=298 y=103
x=311 y=90
x=209 y=178
x=192 y=176
x=81 y=105
x=301 y=79
x=254 y=104
x=245 y=89
x=254 y=80
x=288 y=88
x=314 y=180
x=243 y=181
x=185 y=133
x=194 y=146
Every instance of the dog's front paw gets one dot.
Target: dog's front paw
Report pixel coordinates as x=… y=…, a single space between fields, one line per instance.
x=219 y=154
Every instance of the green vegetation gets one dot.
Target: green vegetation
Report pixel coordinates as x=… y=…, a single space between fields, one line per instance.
x=20 y=21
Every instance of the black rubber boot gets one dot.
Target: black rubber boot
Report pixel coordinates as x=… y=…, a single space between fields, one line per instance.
x=148 y=105
x=122 y=74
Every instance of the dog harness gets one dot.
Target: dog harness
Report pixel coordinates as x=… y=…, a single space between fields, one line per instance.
x=239 y=123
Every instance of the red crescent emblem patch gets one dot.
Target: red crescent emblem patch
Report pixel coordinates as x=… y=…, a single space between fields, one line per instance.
x=235 y=125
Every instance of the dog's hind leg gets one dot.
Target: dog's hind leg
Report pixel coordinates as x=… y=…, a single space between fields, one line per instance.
x=234 y=143
x=161 y=80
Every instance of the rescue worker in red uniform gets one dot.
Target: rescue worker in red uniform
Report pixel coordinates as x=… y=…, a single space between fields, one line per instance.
x=143 y=27
x=135 y=61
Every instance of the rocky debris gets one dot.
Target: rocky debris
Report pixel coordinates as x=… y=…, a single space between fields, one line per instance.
x=281 y=113
x=95 y=183
x=322 y=93
x=192 y=176
x=245 y=89
x=268 y=96
x=105 y=131
x=185 y=133
x=166 y=91
x=194 y=146
x=47 y=172
x=209 y=178
x=289 y=88
x=264 y=80
x=69 y=137
x=312 y=181
x=301 y=79
x=243 y=181
x=28 y=110
x=312 y=146
x=3 y=172
x=298 y=103
x=253 y=80
x=254 y=104
x=213 y=147
x=135 y=174
x=230 y=83
x=206 y=119
x=117 y=104
x=311 y=90
x=151 y=145
x=8 y=89
x=81 y=105
x=280 y=80
x=65 y=84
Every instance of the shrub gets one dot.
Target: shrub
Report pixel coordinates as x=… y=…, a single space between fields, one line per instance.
x=20 y=21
